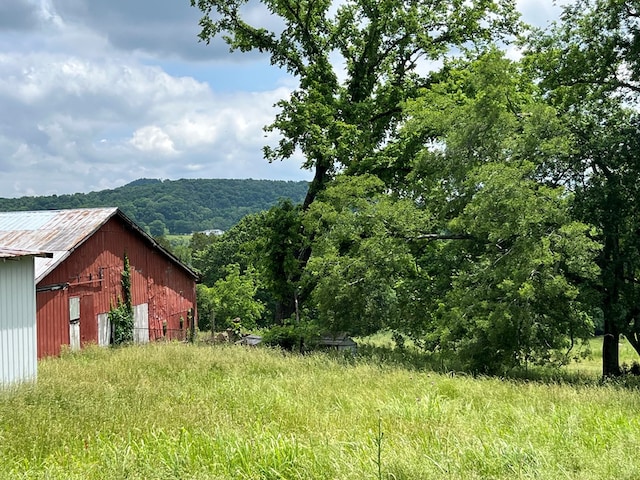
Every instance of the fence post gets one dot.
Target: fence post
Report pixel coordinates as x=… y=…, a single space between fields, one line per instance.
x=192 y=326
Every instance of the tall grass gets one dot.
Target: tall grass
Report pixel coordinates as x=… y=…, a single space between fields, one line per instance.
x=173 y=411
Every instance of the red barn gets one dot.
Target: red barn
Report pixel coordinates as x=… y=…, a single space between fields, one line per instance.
x=76 y=288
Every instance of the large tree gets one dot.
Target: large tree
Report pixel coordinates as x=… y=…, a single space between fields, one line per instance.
x=608 y=198
x=376 y=46
x=590 y=69
x=509 y=260
x=355 y=64
x=474 y=253
x=450 y=221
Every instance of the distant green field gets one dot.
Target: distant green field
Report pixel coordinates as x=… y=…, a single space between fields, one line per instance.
x=175 y=411
x=593 y=364
x=176 y=240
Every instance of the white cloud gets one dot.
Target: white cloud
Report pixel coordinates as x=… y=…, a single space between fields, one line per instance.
x=93 y=94
x=96 y=123
x=153 y=139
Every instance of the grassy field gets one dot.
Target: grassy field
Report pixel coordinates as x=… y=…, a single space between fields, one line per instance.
x=592 y=366
x=174 y=411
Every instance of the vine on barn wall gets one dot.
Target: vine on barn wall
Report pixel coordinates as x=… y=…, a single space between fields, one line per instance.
x=121 y=315
x=125 y=281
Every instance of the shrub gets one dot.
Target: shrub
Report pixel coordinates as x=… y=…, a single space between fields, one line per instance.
x=286 y=337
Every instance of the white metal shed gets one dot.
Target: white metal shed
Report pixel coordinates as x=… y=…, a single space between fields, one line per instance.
x=18 y=341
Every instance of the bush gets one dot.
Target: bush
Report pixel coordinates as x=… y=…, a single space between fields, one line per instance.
x=291 y=336
x=287 y=337
x=121 y=318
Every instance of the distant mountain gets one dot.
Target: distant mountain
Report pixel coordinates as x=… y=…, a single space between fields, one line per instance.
x=176 y=206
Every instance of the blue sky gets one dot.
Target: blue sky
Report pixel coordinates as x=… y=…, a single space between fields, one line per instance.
x=97 y=93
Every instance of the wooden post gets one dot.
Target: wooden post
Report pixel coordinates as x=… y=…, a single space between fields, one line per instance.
x=192 y=326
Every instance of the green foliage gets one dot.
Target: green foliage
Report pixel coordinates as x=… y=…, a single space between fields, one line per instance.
x=608 y=200
x=121 y=319
x=293 y=335
x=125 y=282
x=475 y=253
x=362 y=269
x=449 y=206
x=281 y=248
x=341 y=122
x=121 y=315
x=157 y=228
x=287 y=337
x=206 y=307
x=240 y=245
x=506 y=290
x=233 y=296
x=589 y=68
x=592 y=51
x=266 y=242
x=512 y=300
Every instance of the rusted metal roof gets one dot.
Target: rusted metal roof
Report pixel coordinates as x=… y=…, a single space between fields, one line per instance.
x=57 y=231
x=14 y=253
x=60 y=232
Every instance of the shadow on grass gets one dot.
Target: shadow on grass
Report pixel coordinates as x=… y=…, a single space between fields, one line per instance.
x=414 y=359
x=381 y=350
x=410 y=359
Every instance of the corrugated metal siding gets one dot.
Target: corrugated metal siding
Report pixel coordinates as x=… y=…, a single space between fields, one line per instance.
x=18 y=358
x=93 y=273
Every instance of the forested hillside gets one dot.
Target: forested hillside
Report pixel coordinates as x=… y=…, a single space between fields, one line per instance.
x=176 y=206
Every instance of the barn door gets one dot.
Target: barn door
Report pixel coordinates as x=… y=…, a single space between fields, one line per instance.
x=141 y=323
x=74 y=323
x=104 y=329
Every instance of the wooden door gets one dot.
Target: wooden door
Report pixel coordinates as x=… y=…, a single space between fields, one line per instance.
x=74 y=323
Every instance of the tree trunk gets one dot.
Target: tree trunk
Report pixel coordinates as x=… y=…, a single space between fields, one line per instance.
x=319 y=182
x=610 y=354
x=612 y=276
x=284 y=311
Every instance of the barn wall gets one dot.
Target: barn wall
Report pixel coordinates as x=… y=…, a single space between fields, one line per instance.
x=53 y=322
x=18 y=360
x=93 y=272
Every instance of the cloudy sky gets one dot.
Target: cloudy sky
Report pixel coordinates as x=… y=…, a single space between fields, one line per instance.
x=97 y=93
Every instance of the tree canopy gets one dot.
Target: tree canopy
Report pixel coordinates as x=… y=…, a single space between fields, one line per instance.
x=484 y=207
x=590 y=72
x=476 y=254
x=340 y=118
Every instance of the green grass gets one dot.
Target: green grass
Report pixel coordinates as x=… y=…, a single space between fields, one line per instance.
x=174 y=411
x=178 y=239
x=593 y=365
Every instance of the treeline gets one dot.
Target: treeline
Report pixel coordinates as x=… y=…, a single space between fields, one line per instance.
x=176 y=206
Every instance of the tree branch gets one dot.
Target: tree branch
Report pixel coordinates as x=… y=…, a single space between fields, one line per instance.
x=442 y=236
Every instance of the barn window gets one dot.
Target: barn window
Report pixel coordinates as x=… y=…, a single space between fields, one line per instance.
x=74 y=309
x=74 y=323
